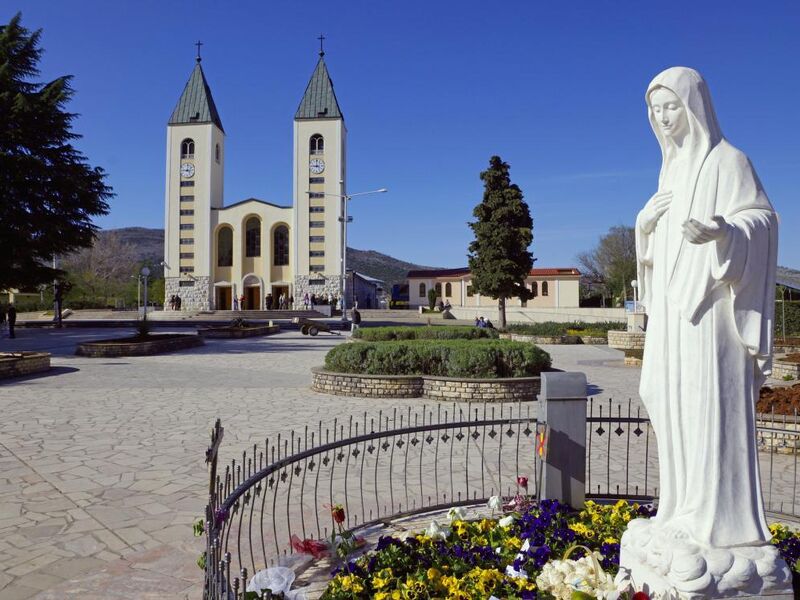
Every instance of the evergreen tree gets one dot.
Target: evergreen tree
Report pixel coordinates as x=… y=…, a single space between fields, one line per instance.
x=498 y=257
x=48 y=192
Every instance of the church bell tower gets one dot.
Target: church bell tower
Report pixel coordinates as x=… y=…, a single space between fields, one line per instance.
x=319 y=182
x=194 y=180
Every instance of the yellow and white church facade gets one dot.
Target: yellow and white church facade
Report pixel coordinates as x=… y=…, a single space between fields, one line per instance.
x=215 y=252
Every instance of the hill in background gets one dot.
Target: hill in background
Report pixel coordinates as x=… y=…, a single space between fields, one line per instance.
x=148 y=245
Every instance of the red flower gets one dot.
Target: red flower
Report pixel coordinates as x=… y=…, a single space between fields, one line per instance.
x=337 y=511
x=315 y=548
x=640 y=596
x=522 y=481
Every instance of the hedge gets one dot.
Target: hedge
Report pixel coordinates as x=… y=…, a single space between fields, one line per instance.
x=553 y=329
x=792 y=312
x=449 y=332
x=472 y=359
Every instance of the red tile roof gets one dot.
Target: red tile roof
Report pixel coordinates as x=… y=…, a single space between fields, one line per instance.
x=431 y=273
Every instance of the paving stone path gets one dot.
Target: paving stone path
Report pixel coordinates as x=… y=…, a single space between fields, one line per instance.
x=101 y=460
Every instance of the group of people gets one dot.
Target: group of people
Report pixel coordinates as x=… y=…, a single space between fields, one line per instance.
x=312 y=300
x=282 y=302
x=483 y=323
x=8 y=318
x=175 y=302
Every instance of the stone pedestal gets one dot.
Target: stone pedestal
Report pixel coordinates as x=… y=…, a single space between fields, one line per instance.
x=659 y=561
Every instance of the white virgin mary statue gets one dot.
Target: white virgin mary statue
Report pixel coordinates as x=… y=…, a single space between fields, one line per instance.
x=706 y=246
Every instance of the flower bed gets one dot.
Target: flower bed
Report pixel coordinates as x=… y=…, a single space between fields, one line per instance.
x=139 y=345
x=479 y=359
x=18 y=364
x=231 y=332
x=564 y=339
x=520 y=555
x=552 y=329
x=450 y=332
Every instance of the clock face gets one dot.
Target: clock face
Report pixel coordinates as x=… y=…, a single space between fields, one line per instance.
x=316 y=166
x=187 y=170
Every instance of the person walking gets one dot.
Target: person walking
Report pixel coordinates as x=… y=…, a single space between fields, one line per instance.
x=305 y=301
x=268 y=304
x=356 y=322
x=235 y=303
x=242 y=302
x=12 y=319
x=291 y=302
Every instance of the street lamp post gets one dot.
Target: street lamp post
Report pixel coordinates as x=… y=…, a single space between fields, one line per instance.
x=344 y=220
x=145 y=273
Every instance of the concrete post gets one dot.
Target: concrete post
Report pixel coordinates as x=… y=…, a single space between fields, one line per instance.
x=563 y=399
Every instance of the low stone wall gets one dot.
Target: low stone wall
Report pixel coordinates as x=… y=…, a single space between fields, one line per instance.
x=563 y=339
x=238 y=332
x=630 y=342
x=781 y=369
x=110 y=348
x=18 y=364
x=415 y=386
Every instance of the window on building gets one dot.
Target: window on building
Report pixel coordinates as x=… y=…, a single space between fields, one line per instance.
x=281 y=246
x=535 y=288
x=316 y=253
x=316 y=238
x=189 y=283
x=187 y=254
x=187 y=198
x=422 y=290
x=186 y=212
x=470 y=291
x=317 y=209
x=187 y=148
x=187 y=269
x=316 y=180
x=448 y=290
x=216 y=152
x=316 y=195
x=187 y=240
x=438 y=290
x=316 y=224
x=545 y=289
x=252 y=237
x=187 y=183
x=187 y=226
x=316 y=144
x=225 y=247
x=317 y=268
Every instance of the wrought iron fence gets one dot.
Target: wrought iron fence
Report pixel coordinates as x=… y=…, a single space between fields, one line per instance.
x=397 y=464
x=622 y=456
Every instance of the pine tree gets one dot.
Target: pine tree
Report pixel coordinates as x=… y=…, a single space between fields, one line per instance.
x=498 y=257
x=48 y=192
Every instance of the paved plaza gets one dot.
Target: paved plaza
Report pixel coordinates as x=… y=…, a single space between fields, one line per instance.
x=101 y=460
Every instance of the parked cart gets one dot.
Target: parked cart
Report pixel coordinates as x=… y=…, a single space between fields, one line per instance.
x=309 y=327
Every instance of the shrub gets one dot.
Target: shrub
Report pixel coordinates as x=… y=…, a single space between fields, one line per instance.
x=553 y=329
x=792 y=312
x=450 y=332
x=431 y=298
x=487 y=358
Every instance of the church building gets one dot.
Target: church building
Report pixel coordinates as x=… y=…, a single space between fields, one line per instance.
x=214 y=251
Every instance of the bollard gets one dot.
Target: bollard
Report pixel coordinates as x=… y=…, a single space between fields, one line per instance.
x=563 y=408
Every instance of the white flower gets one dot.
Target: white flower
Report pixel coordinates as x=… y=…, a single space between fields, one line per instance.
x=495 y=503
x=526 y=545
x=435 y=531
x=506 y=521
x=276 y=579
x=456 y=514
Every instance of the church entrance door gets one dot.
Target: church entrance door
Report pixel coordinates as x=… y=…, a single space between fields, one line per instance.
x=223 y=300
x=252 y=295
x=277 y=290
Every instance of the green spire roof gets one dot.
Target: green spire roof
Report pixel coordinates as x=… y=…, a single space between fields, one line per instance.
x=196 y=104
x=319 y=101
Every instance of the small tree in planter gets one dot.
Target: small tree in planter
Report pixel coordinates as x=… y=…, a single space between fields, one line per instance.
x=431 y=298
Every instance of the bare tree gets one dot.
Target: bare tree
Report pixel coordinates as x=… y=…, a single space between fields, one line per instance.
x=102 y=270
x=611 y=266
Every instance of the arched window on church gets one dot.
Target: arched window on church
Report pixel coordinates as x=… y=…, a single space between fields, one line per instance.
x=225 y=247
x=187 y=148
x=545 y=290
x=316 y=144
x=216 y=152
x=252 y=237
x=438 y=288
x=535 y=288
x=422 y=290
x=448 y=290
x=281 y=246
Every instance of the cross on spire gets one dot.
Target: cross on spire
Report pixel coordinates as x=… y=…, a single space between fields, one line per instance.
x=198 y=44
x=321 y=39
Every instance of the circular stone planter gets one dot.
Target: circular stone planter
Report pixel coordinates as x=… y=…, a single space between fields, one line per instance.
x=425 y=386
x=562 y=339
x=238 y=332
x=155 y=344
x=18 y=364
x=631 y=343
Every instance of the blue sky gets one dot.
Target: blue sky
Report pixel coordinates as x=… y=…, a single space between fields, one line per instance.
x=430 y=90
